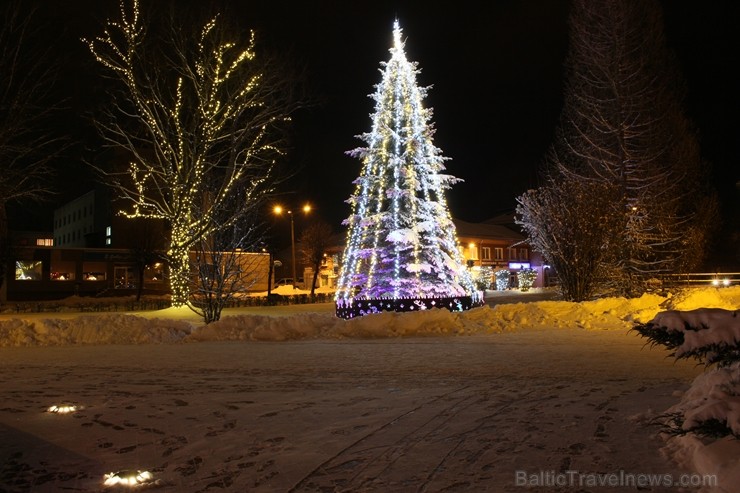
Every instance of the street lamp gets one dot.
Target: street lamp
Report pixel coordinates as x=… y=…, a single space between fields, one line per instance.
x=279 y=210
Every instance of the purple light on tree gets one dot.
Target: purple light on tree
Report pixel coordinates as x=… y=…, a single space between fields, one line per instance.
x=401 y=252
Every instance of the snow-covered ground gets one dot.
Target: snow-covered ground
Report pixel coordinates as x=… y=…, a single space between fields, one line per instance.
x=293 y=399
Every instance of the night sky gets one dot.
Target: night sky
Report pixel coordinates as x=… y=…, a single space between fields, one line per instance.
x=496 y=74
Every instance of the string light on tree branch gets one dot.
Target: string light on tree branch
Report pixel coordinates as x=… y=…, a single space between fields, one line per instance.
x=201 y=124
x=401 y=252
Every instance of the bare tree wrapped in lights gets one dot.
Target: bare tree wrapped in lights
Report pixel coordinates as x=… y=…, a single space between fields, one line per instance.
x=202 y=121
x=401 y=251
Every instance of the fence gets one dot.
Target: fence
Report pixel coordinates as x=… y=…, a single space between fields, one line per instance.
x=92 y=306
x=118 y=305
x=701 y=279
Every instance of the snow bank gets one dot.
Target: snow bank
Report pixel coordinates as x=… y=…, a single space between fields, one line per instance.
x=265 y=328
x=288 y=323
x=710 y=297
x=91 y=329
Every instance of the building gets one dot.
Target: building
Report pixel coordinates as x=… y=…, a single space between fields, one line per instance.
x=485 y=244
x=93 y=252
x=82 y=222
x=47 y=273
x=92 y=221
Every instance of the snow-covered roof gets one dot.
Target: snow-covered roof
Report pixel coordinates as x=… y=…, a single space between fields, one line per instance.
x=486 y=231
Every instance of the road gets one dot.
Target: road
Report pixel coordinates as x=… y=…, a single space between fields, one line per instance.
x=494 y=298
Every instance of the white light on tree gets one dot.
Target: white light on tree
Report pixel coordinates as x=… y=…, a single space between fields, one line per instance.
x=401 y=252
x=526 y=278
x=202 y=122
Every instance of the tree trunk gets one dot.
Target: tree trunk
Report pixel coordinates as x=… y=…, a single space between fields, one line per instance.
x=179 y=268
x=4 y=250
x=315 y=276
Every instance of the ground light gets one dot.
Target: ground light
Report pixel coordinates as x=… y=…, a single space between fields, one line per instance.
x=62 y=408
x=128 y=478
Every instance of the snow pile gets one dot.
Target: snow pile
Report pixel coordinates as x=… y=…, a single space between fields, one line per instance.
x=264 y=328
x=318 y=321
x=710 y=297
x=91 y=329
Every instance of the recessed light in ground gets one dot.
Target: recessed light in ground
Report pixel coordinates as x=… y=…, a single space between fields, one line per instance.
x=63 y=408
x=128 y=478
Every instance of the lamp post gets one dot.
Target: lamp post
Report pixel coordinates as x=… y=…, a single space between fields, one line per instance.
x=279 y=210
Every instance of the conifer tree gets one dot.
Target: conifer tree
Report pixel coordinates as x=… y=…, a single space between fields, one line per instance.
x=623 y=128
x=401 y=242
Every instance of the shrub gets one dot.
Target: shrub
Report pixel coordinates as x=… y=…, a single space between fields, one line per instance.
x=502 y=279
x=708 y=408
x=526 y=278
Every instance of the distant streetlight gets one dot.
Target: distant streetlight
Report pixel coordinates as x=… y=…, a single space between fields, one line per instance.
x=278 y=210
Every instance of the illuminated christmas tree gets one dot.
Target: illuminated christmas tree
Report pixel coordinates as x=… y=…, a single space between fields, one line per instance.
x=401 y=252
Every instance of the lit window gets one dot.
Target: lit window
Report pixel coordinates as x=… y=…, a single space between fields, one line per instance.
x=125 y=277
x=108 y=231
x=499 y=252
x=28 y=270
x=94 y=271
x=153 y=272
x=485 y=253
x=62 y=270
x=44 y=241
x=473 y=251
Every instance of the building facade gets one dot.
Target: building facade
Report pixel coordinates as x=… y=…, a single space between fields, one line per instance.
x=92 y=252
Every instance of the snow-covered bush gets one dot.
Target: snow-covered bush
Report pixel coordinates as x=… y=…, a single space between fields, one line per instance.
x=526 y=278
x=483 y=278
x=711 y=408
x=502 y=279
x=709 y=335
